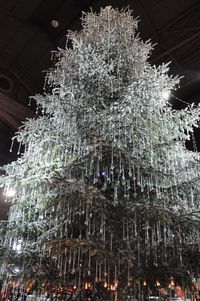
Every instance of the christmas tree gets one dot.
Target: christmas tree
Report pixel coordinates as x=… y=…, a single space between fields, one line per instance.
x=107 y=199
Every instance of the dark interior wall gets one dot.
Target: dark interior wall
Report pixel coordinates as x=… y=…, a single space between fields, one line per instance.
x=5 y=143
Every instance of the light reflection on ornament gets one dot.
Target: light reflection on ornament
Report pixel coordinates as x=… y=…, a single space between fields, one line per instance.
x=17 y=246
x=15 y=270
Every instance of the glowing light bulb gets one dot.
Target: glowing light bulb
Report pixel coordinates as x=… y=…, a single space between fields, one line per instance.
x=10 y=193
x=157 y=283
x=165 y=95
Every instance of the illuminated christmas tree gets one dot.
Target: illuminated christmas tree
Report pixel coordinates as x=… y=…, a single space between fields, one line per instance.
x=107 y=194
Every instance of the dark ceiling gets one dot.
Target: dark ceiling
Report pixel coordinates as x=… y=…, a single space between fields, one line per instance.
x=27 y=37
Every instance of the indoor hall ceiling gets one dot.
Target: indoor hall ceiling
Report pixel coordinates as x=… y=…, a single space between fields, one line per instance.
x=27 y=38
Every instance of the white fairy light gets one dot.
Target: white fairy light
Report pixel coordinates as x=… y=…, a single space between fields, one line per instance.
x=10 y=192
x=165 y=95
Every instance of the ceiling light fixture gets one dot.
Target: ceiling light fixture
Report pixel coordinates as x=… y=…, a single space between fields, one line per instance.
x=55 y=23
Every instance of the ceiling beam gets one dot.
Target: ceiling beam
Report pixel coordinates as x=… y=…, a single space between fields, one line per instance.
x=177 y=46
x=9 y=120
x=179 y=18
x=12 y=112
